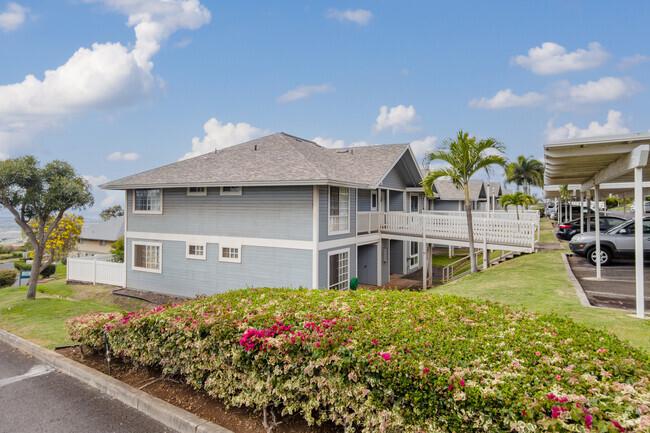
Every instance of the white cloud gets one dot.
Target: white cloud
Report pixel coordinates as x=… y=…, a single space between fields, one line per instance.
x=103 y=77
x=552 y=58
x=330 y=143
x=95 y=181
x=13 y=17
x=219 y=136
x=303 y=91
x=614 y=125
x=358 y=16
x=103 y=198
x=119 y=156
x=607 y=89
x=628 y=62
x=507 y=99
x=399 y=118
x=422 y=147
x=359 y=143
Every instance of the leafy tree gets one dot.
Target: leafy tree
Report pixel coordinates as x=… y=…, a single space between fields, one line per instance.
x=31 y=192
x=526 y=172
x=63 y=238
x=117 y=249
x=517 y=199
x=611 y=202
x=111 y=212
x=465 y=156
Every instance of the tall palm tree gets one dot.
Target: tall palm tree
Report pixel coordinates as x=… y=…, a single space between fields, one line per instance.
x=526 y=172
x=517 y=199
x=466 y=156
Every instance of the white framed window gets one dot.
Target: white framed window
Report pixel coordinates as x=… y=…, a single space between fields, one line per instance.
x=80 y=241
x=230 y=253
x=338 y=269
x=339 y=210
x=414 y=255
x=374 y=202
x=195 y=250
x=415 y=203
x=147 y=201
x=231 y=190
x=197 y=190
x=102 y=243
x=147 y=256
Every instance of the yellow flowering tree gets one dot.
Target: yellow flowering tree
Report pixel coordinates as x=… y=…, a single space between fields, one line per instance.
x=63 y=238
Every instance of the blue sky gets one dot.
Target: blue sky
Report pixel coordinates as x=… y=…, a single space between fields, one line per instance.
x=135 y=84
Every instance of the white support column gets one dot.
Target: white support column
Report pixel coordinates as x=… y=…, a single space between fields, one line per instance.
x=423 y=250
x=597 y=229
x=582 y=211
x=571 y=207
x=639 y=208
x=451 y=251
x=315 y=236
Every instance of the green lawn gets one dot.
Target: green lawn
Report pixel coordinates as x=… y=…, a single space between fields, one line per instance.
x=539 y=282
x=547 y=236
x=43 y=320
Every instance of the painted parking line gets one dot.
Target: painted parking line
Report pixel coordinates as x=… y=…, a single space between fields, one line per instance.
x=37 y=370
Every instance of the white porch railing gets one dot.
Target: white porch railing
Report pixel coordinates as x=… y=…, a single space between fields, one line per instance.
x=95 y=270
x=495 y=231
x=367 y=222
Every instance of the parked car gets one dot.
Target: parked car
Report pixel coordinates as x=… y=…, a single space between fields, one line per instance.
x=575 y=210
x=567 y=230
x=646 y=207
x=615 y=243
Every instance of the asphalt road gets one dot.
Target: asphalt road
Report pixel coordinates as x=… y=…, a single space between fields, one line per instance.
x=36 y=398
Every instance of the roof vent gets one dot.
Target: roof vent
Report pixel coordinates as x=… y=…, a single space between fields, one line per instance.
x=255 y=147
x=342 y=151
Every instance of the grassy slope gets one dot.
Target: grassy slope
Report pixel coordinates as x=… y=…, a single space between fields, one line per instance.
x=43 y=319
x=539 y=282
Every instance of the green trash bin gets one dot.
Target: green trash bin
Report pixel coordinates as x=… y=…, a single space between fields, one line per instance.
x=354 y=284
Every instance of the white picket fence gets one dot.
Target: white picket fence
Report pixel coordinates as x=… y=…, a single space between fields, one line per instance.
x=96 y=270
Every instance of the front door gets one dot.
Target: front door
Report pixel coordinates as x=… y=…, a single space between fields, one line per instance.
x=384 y=201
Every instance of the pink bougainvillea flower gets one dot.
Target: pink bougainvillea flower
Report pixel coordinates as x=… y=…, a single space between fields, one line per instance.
x=558 y=377
x=462 y=382
x=386 y=356
x=537 y=353
x=426 y=370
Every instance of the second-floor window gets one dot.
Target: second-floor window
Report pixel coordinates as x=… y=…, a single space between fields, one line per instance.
x=339 y=210
x=148 y=201
x=415 y=203
x=373 y=201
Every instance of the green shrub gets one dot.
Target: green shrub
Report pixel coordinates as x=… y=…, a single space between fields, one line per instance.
x=389 y=361
x=49 y=271
x=21 y=265
x=611 y=202
x=7 y=277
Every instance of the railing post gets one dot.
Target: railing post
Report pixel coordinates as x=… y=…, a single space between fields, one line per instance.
x=94 y=272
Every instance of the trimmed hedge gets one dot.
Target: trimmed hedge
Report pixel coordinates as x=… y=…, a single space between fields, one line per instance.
x=21 y=265
x=389 y=361
x=7 y=277
x=49 y=271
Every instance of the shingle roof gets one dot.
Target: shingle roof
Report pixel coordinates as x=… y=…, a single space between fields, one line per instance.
x=275 y=159
x=495 y=189
x=109 y=230
x=448 y=191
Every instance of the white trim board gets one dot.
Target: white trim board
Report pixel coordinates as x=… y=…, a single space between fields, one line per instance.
x=231 y=240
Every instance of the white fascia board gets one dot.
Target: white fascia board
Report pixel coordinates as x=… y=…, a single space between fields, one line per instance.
x=242 y=184
x=638 y=157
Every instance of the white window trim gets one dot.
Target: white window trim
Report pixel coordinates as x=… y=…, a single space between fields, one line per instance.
x=194 y=256
x=232 y=192
x=327 y=269
x=409 y=256
x=150 y=212
x=153 y=244
x=410 y=199
x=197 y=194
x=229 y=259
x=339 y=232
x=376 y=207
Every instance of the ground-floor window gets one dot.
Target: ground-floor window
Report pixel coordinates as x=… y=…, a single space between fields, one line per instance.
x=414 y=254
x=147 y=256
x=230 y=254
x=339 y=270
x=195 y=251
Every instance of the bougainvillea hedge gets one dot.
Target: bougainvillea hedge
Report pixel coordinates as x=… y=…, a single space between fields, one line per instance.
x=389 y=361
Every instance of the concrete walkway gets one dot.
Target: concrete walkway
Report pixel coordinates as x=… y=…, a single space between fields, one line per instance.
x=616 y=288
x=36 y=398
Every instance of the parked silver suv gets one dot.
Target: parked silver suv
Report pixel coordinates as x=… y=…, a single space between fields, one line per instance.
x=617 y=242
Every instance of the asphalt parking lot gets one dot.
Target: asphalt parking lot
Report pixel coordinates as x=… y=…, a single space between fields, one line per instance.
x=616 y=288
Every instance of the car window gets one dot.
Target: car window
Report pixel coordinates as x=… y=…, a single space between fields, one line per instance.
x=646 y=226
x=615 y=229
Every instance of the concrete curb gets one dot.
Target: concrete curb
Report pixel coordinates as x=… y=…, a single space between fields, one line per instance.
x=163 y=412
x=584 y=301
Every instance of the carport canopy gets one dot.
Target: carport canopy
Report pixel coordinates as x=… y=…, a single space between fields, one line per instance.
x=588 y=163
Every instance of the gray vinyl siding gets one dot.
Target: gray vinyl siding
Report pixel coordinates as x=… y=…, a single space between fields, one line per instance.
x=259 y=267
x=364 y=200
x=396 y=201
x=385 y=266
x=260 y=212
x=449 y=205
x=393 y=180
x=323 y=217
x=396 y=257
x=323 y=265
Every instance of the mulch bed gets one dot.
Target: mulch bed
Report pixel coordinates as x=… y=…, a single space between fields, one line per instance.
x=176 y=392
x=151 y=297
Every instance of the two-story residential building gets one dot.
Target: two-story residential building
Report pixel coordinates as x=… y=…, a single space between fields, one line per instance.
x=279 y=211
x=451 y=198
x=97 y=239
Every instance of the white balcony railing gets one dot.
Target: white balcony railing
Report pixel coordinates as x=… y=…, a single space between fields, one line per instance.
x=367 y=222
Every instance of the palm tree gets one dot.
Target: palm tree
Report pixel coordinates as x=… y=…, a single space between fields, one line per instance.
x=517 y=199
x=465 y=156
x=526 y=172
